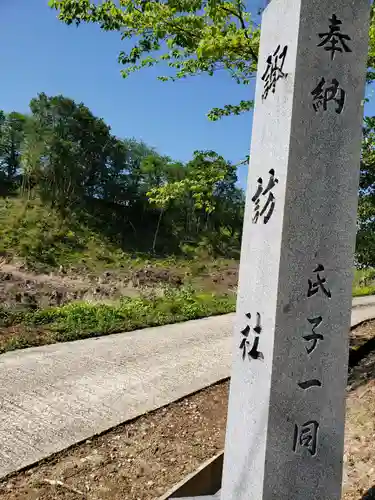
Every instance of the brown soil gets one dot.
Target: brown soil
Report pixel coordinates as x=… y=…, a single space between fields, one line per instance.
x=137 y=460
x=24 y=290
x=361 y=334
x=359 y=458
x=24 y=336
x=217 y=279
x=142 y=459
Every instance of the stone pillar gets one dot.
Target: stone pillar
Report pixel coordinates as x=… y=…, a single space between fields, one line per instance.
x=285 y=426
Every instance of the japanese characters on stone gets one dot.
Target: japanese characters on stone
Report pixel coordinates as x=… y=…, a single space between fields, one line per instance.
x=274 y=70
x=249 y=344
x=333 y=40
x=313 y=337
x=264 y=207
x=326 y=93
x=319 y=284
x=306 y=434
x=330 y=93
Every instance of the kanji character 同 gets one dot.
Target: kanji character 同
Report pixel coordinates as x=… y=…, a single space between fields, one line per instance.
x=306 y=436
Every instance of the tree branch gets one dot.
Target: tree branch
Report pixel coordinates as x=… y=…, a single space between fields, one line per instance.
x=243 y=26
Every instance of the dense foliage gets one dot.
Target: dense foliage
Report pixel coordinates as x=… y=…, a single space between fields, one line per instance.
x=187 y=37
x=192 y=37
x=366 y=209
x=120 y=188
x=135 y=197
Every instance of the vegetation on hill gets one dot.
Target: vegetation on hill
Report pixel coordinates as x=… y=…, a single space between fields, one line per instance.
x=100 y=234
x=62 y=280
x=193 y=37
x=120 y=188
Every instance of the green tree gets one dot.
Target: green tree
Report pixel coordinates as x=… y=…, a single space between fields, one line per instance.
x=12 y=131
x=158 y=171
x=122 y=188
x=202 y=177
x=191 y=37
x=207 y=183
x=68 y=153
x=365 y=251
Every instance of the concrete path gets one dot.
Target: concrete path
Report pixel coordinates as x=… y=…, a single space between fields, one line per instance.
x=54 y=396
x=363 y=309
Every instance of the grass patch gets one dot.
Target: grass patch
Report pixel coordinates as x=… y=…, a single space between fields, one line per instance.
x=362 y=291
x=37 y=236
x=364 y=282
x=83 y=320
x=80 y=320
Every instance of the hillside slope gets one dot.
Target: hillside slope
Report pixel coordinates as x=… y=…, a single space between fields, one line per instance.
x=60 y=280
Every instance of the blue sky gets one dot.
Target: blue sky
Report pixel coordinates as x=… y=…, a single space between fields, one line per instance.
x=41 y=54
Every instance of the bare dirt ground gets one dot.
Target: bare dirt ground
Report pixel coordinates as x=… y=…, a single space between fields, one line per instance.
x=359 y=457
x=22 y=289
x=361 y=334
x=138 y=460
x=142 y=459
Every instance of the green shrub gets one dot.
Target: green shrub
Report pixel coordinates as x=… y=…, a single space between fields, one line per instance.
x=82 y=320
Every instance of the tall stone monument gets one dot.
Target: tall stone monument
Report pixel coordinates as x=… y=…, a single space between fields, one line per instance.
x=285 y=425
x=285 y=428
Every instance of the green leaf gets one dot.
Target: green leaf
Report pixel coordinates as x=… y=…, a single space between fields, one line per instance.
x=194 y=36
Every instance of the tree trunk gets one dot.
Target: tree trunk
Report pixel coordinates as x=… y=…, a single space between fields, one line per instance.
x=157 y=230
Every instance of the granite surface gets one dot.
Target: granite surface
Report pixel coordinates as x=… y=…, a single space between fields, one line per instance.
x=286 y=412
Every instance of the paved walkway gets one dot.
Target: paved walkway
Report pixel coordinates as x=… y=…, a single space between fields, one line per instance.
x=54 y=396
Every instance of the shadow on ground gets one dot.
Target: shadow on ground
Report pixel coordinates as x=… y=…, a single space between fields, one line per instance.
x=362 y=355
x=361 y=374
x=370 y=494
